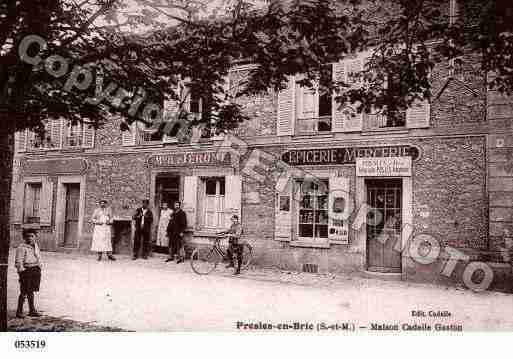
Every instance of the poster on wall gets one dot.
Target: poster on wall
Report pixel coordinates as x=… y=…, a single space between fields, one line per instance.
x=338 y=208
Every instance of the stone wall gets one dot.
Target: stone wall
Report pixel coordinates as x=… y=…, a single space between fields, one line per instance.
x=500 y=171
x=449 y=191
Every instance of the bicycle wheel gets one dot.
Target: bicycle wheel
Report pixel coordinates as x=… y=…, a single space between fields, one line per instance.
x=247 y=255
x=204 y=261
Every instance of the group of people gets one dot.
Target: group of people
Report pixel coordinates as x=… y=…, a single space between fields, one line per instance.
x=171 y=230
x=170 y=233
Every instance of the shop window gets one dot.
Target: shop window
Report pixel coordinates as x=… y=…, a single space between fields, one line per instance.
x=313 y=210
x=314 y=106
x=214 y=202
x=32 y=202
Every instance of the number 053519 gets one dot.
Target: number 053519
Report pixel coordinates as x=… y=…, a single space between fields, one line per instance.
x=30 y=344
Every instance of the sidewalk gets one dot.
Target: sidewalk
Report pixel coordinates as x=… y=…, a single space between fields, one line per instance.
x=151 y=295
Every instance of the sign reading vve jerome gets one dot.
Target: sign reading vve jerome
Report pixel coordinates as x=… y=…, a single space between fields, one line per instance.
x=383 y=167
x=346 y=155
x=190 y=158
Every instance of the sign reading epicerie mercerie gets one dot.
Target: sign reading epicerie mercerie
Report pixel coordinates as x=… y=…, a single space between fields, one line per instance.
x=346 y=155
x=383 y=167
x=189 y=158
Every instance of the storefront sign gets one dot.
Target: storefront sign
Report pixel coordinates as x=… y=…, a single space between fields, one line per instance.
x=190 y=158
x=339 y=156
x=54 y=167
x=383 y=167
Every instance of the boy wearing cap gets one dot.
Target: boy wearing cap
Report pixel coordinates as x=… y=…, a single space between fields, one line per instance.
x=28 y=265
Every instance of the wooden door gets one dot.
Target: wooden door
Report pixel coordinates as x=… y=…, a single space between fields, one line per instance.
x=384 y=224
x=71 y=215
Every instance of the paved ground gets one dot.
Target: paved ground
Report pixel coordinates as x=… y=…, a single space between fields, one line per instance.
x=154 y=296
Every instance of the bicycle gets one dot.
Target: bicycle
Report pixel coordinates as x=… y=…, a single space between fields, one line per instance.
x=205 y=260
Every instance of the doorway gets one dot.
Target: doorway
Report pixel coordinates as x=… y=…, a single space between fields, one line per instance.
x=71 y=214
x=384 y=224
x=167 y=190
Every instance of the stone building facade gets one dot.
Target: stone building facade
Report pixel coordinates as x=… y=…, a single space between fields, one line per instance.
x=317 y=187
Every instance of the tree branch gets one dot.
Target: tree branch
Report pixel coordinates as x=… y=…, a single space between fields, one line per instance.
x=89 y=21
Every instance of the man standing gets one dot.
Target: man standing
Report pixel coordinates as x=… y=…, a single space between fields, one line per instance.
x=143 y=219
x=175 y=230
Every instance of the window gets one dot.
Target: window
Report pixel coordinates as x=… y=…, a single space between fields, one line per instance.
x=314 y=105
x=49 y=138
x=214 y=202
x=39 y=141
x=58 y=134
x=74 y=135
x=313 y=209
x=32 y=202
x=197 y=107
x=194 y=105
x=377 y=119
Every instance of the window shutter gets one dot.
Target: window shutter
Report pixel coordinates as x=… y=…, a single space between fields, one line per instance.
x=29 y=200
x=17 y=202
x=233 y=194
x=418 y=114
x=128 y=137
x=45 y=205
x=353 y=121
x=170 y=106
x=337 y=117
x=190 y=199
x=286 y=106
x=21 y=141
x=339 y=200
x=55 y=131
x=88 y=133
x=283 y=217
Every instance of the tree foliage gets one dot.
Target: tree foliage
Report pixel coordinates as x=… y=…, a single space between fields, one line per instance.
x=152 y=45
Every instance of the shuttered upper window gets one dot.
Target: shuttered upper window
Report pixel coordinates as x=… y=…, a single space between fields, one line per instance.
x=314 y=106
x=57 y=134
x=306 y=111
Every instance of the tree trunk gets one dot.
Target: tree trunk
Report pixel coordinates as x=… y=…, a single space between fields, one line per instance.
x=6 y=157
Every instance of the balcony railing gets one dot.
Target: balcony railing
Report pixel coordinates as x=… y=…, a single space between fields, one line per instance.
x=39 y=144
x=307 y=126
x=73 y=141
x=382 y=122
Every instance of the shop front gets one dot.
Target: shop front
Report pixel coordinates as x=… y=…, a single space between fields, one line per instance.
x=205 y=182
x=347 y=207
